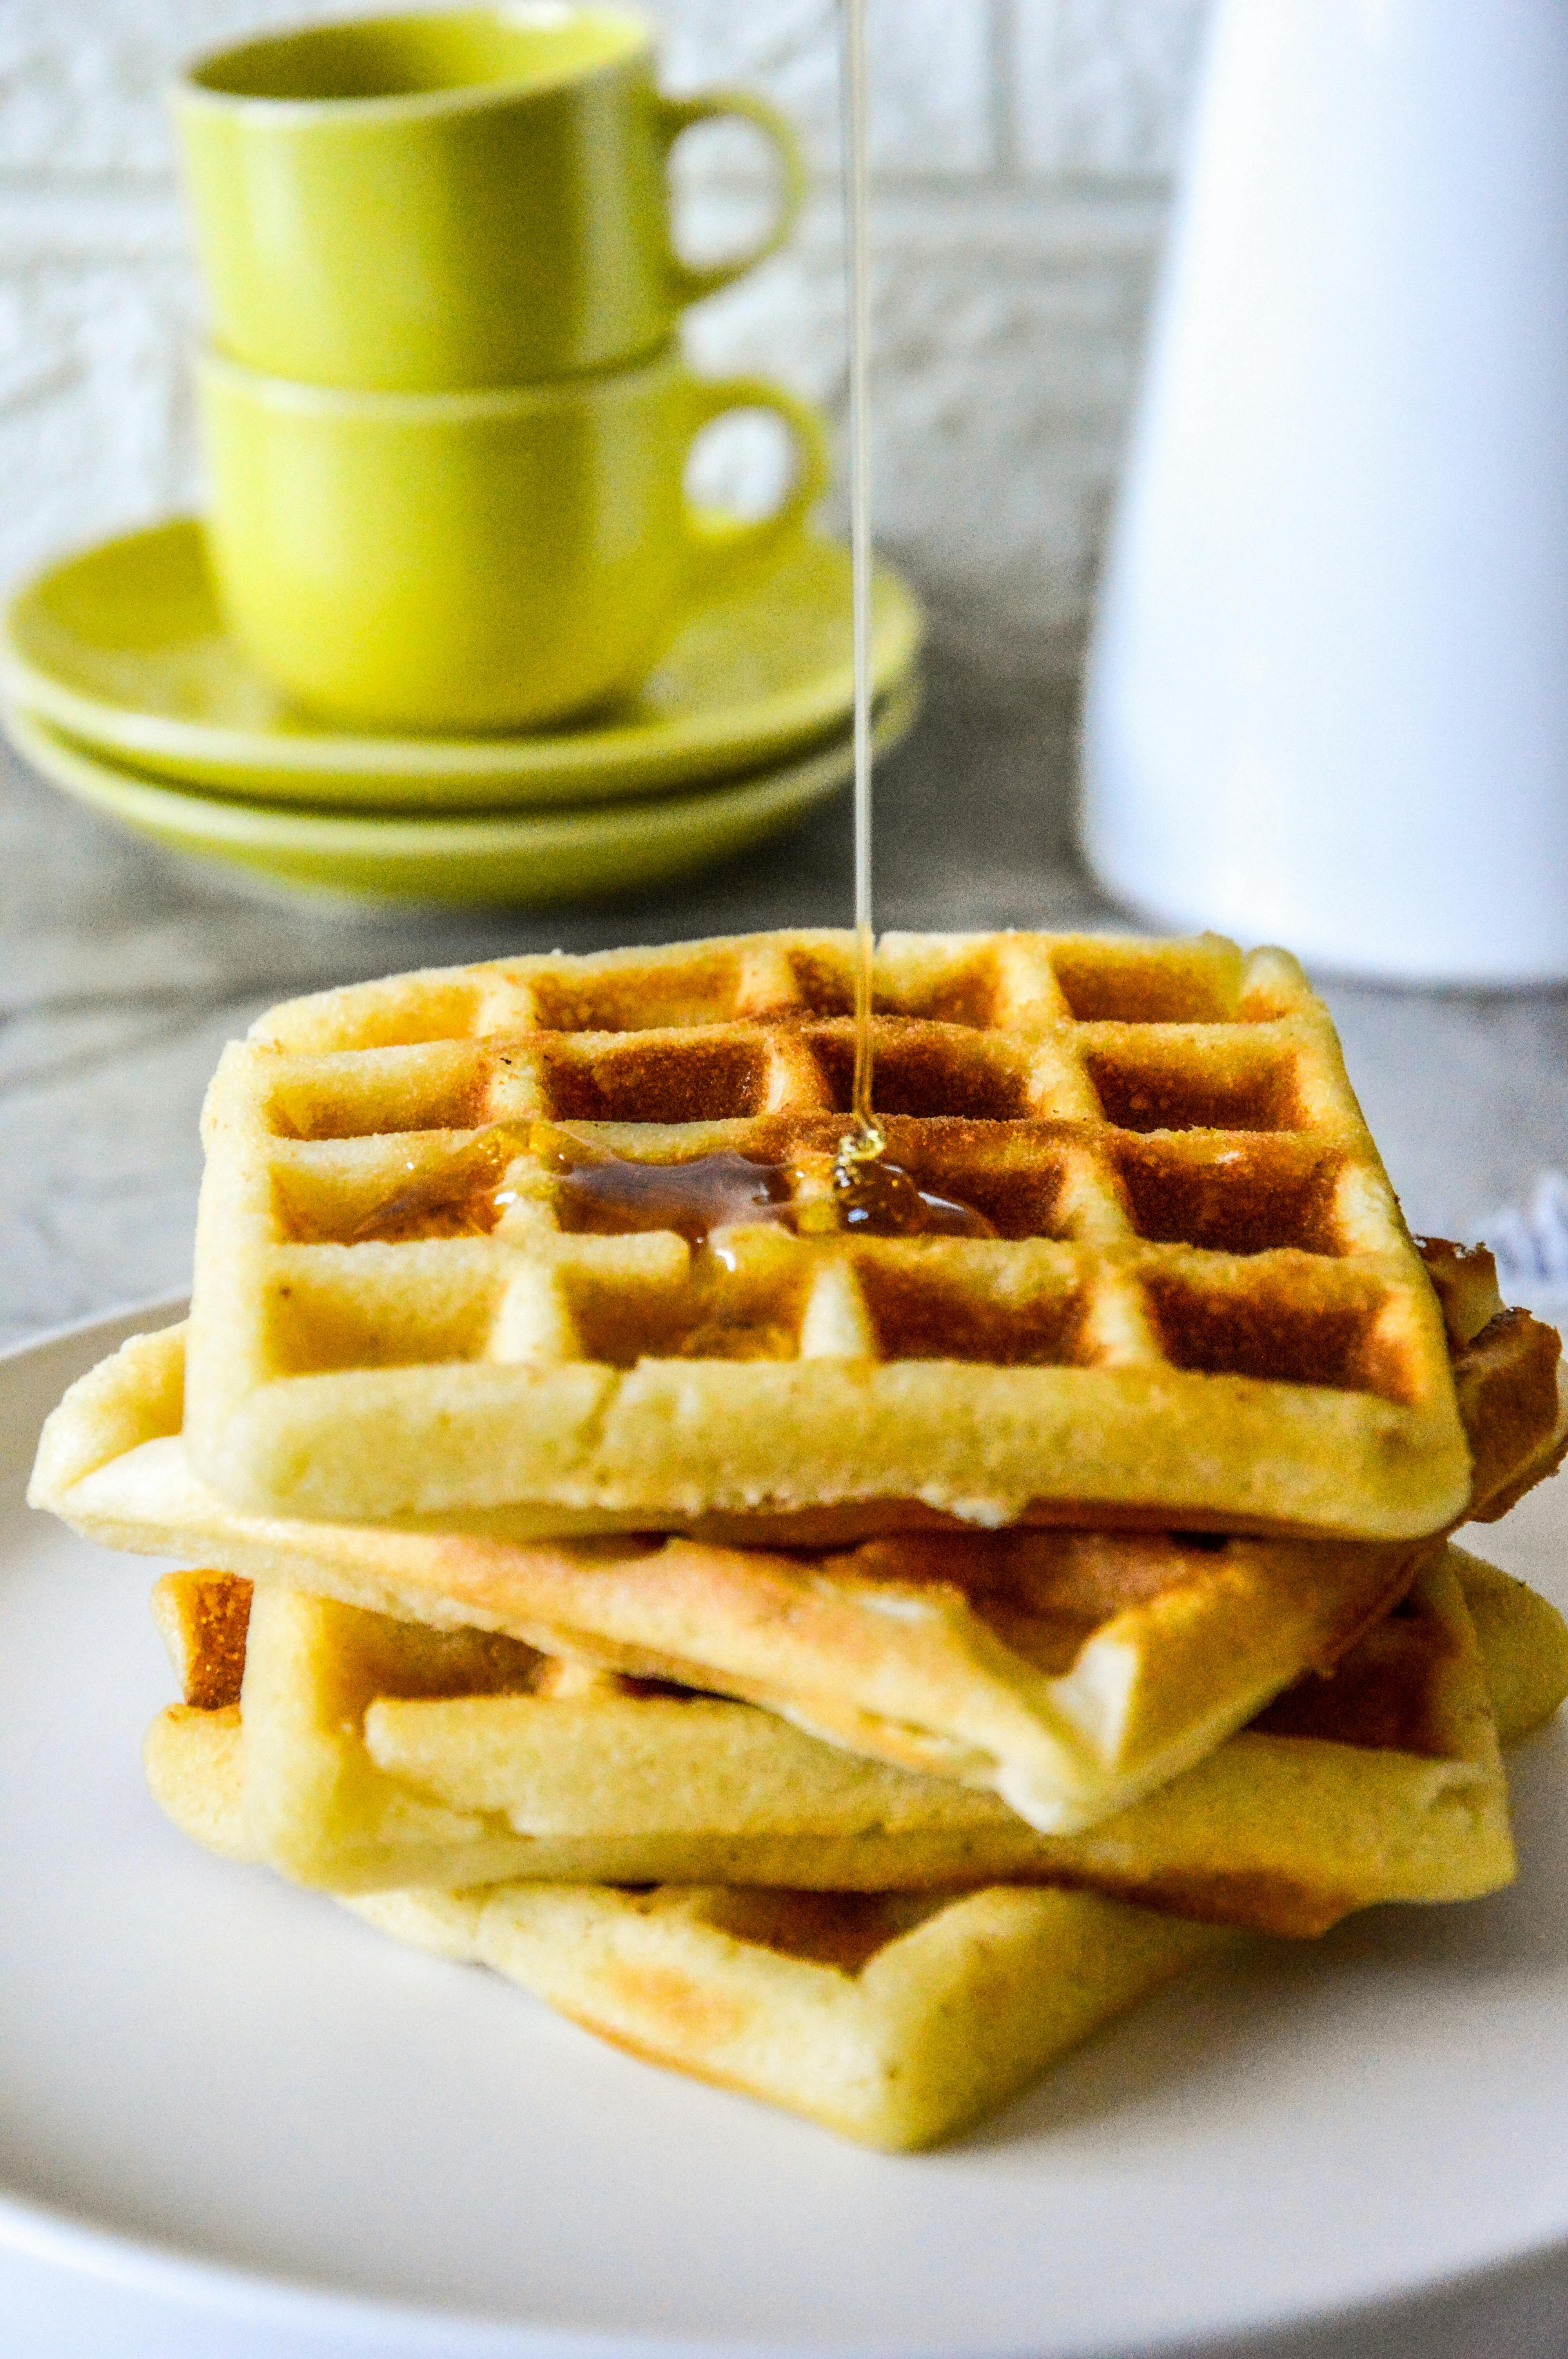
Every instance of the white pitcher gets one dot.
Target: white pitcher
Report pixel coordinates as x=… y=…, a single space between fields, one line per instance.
x=1328 y=694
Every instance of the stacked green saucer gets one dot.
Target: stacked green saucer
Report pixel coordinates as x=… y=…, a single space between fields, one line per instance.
x=121 y=685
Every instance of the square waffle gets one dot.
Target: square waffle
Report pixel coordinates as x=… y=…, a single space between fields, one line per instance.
x=426 y=1287
x=1383 y=1783
x=897 y=2019
x=1067 y=1671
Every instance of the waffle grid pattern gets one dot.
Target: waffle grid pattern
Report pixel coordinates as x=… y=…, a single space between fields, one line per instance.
x=1161 y=1134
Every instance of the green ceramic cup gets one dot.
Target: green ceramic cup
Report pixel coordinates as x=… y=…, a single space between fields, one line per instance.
x=468 y=562
x=430 y=202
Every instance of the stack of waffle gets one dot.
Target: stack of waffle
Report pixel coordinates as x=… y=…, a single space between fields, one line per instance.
x=845 y=1645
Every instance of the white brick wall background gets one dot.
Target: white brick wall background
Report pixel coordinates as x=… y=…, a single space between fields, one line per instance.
x=1022 y=149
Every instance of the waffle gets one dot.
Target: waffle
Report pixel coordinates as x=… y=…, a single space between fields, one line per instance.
x=426 y=1286
x=1523 y=1642
x=895 y=2018
x=1067 y=1671
x=1380 y=1784
x=1509 y=1379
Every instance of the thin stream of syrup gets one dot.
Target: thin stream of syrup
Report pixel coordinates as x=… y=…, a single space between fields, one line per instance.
x=864 y=1144
x=874 y=1196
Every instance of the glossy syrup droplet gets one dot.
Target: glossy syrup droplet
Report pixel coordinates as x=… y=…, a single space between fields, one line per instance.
x=879 y=1199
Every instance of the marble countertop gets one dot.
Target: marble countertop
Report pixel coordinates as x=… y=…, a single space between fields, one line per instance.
x=123 y=972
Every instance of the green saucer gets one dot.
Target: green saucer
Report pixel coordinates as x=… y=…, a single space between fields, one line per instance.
x=513 y=859
x=123 y=650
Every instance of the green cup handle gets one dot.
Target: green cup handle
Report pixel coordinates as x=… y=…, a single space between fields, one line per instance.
x=690 y=284
x=723 y=547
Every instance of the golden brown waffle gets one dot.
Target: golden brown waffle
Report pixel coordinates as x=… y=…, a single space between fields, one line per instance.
x=894 y=2019
x=1523 y=1642
x=1509 y=1378
x=1200 y=1306
x=1069 y=1671
x=897 y=2019
x=1382 y=1784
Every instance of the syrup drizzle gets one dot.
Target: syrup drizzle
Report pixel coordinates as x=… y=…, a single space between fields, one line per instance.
x=879 y=1199
x=456 y=1199
x=608 y=1195
x=596 y=1191
x=865 y=1143
x=604 y=1194
x=875 y=1198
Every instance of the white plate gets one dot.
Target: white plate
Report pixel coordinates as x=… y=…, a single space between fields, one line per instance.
x=235 y=2121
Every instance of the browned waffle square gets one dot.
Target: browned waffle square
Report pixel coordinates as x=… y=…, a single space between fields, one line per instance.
x=1200 y=1306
